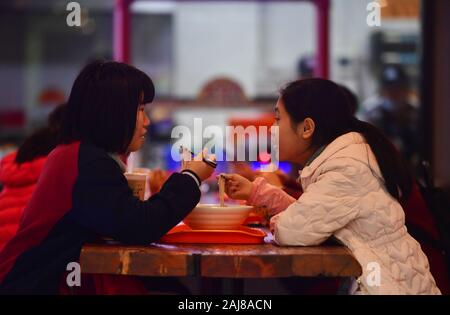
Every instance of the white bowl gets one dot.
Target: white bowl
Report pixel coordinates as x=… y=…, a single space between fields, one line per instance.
x=215 y=217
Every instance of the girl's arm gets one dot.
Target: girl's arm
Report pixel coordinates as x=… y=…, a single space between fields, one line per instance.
x=264 y=194
x=105 y=204
x=325 y=207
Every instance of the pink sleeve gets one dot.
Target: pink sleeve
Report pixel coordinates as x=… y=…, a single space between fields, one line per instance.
x=264 y=194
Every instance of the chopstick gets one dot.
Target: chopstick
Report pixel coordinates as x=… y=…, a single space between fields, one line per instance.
x=222 y=190
x=211 y=163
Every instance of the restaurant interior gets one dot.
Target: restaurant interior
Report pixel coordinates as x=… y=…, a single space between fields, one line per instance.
x=226 y=61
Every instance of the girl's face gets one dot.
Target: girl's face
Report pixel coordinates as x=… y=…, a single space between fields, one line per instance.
x=140 y=131
x=294 y=143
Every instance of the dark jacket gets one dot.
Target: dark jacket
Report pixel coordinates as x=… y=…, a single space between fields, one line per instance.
x=82 y=194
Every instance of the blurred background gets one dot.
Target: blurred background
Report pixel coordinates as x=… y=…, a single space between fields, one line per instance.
x=225 y=61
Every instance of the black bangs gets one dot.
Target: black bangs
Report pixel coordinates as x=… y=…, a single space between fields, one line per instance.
x=147 y=88
x=140 y=86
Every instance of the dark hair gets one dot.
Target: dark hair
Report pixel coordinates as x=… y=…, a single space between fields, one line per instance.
x=352 y=99
x=103 y=104
x=326 y=103
x=44 y=140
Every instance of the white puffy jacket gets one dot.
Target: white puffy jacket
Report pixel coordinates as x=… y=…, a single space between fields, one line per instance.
x=344 y=196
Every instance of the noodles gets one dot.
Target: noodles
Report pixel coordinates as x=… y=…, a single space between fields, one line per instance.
x=222 y=190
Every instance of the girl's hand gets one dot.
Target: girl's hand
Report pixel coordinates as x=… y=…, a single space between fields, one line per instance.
x=199 y=167
x=237 y=187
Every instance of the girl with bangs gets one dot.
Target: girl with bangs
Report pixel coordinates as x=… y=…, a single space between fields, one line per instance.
x=82 y=193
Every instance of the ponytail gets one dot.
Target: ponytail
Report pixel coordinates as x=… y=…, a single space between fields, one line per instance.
x=396 y=175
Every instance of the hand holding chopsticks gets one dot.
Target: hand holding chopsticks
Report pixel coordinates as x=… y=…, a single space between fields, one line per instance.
x=210 y=161
x=236 y=186
x=202 y=165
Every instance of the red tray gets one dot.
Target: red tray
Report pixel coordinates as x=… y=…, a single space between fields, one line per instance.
x=184 y=234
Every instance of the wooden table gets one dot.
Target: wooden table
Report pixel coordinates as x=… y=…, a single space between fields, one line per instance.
x=219 y=260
